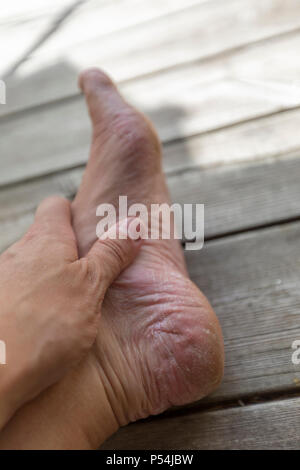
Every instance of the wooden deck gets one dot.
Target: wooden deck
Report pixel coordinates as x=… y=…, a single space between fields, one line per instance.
x=221 y=81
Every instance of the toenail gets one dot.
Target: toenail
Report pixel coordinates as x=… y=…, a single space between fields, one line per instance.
x=94 y=77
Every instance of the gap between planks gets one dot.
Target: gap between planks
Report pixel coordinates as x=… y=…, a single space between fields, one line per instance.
x=270 y=426
x=65 y=143
x=67 y=83
x=251 y=279
x=42 y=38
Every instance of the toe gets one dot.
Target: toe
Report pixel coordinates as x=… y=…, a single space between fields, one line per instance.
x=102 y=96
x=93 y=77
x=114 y=119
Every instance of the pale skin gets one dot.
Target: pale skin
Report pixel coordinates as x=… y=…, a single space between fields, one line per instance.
x=159 y=343
x=51 y=302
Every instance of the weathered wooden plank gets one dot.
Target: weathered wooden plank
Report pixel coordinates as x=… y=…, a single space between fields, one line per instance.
x=269 y=426
x=203 y=29
x=57 y=137
x=16 y=12
x=252 y=282
x=236 y=198
x=22 y=23
x=239 y=198
x=237 y=79
x=15 y=41
x=251 y=279
x=106 y=17
x=261 y=139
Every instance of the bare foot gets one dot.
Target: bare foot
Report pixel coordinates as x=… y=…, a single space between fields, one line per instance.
x=165 y=338
x=159 y=342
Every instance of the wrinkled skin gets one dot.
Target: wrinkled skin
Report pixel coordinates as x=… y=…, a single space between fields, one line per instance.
x=159 y=342
x=51 y=301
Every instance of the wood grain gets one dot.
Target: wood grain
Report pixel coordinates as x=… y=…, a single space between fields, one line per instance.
x=202 y=30
x=107 y=17
x=22 y=24
x=58 y=137
x=267 y=426
x=251 y=279
x=222 y=87
x=236 y=198
x=248 y=79
x=240 y=198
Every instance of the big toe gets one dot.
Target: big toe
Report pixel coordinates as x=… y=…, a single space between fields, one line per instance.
x=101 y=94
x=123 y=132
